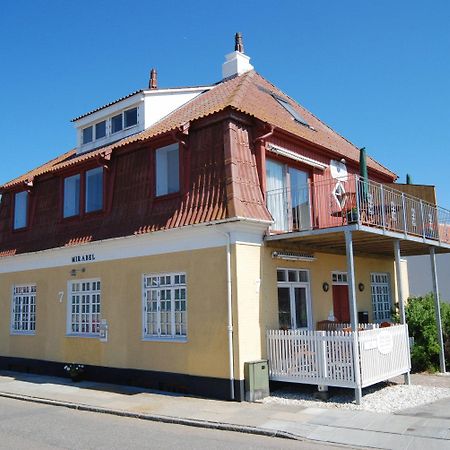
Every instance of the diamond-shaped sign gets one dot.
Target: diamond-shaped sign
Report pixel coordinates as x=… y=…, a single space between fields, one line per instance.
x=339 y=194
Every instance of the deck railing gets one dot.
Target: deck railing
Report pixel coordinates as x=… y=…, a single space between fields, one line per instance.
x=328 y=358
x=332 y=203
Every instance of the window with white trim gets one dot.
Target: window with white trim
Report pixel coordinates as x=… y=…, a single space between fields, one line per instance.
x=84 y=307
x=23 y=311
x=167 y=170
x=339 y=277
x=381 y=296
x=165 y=306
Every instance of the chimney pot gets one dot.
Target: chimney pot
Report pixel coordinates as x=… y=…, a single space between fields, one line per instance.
x=238 y=43
x=153 y=82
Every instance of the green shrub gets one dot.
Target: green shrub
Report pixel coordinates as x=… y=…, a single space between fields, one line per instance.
x=421 y=321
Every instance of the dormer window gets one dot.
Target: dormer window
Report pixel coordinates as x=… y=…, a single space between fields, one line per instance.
x=94 y=190
x=167 y=170
x=83 y=193
x=130 y=118
x=100 y=129
x=87 y=135
x=116 y=123
x=20 y=210
x=72 y=196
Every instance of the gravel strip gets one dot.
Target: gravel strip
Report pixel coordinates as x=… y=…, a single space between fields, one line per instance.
x=382 y=398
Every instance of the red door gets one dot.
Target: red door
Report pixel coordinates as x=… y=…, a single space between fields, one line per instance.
x=340 y=303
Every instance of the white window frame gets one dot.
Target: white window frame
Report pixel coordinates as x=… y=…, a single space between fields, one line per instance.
x=300 y=284
x=339 y=278
x=94 y=129
x=161 y=177
x=375 y=296
x=16 y=295
x=69 y=331
x=173 y=337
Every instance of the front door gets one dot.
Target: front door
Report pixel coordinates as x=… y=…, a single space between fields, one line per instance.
x=294 y=305
x=341 y=308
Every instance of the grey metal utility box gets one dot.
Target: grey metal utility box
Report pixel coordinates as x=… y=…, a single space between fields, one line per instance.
x=256 y=375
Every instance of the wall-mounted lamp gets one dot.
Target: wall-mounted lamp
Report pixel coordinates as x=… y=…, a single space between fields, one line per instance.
x=325 y=287
x=361 y=287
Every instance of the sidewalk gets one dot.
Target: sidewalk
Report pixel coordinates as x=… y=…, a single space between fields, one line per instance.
x=424 y=427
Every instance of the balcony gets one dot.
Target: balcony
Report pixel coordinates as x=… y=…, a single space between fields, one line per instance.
x=328 y=206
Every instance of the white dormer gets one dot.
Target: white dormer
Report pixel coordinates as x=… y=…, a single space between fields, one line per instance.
x=130 y=115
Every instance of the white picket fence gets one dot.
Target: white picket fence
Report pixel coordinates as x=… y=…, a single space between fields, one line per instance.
x=328 y=357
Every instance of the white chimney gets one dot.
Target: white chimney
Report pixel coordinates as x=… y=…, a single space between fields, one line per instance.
x=236 y=63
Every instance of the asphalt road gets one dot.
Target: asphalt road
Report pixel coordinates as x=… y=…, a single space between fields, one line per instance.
x=25 y=425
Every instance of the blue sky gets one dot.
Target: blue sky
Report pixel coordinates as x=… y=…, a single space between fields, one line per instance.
x=376 y=71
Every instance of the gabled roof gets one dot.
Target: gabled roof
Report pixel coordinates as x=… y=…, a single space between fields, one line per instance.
x=248 y=93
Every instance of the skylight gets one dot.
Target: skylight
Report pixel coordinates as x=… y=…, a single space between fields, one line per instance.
x=293 y=112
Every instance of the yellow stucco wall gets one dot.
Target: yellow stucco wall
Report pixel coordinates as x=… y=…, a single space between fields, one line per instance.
x=255 y=309
x=205 y=352
x=320 y=271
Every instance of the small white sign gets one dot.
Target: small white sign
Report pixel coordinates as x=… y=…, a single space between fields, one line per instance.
x=103 y=331
x=385 y=343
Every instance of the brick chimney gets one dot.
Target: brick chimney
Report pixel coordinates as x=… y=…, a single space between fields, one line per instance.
x=236 y=63
x=153 y=82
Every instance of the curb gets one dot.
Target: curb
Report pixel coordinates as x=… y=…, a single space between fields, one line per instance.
x=157 y=418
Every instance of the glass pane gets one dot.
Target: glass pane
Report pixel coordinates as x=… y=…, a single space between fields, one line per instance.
x=299 y=199
x=281 y=275
x=94 y=189
x=303 y=276
x=116 y=123
x=100 y=130
x=277 y=195
x=20 y=209
x=167 y=170
x=72 y=196
x=292 y=275
x=284 y=308
x=87 y=135
x=130 y=117
x=301 y=315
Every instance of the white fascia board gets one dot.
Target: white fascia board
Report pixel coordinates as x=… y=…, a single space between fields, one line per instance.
x=198 y=89
x=296 y=157
x=126 y=103
x=192 y=237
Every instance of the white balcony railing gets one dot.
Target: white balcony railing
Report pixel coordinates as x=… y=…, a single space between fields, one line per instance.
x=332 y=203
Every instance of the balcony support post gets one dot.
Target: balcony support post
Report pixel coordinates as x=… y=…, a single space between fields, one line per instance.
x=400 y=294
x=353 y=311
x=437 y=309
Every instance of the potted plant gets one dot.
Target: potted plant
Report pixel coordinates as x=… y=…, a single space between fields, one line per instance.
x=352 y=215
x=74 y=371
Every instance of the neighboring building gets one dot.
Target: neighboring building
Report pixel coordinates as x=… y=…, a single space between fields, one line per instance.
x=186 y=223
x=419 y=276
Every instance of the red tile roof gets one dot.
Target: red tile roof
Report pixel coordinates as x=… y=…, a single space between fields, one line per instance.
x=249 y=93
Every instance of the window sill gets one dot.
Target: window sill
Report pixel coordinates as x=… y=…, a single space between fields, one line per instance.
x=170 y=196
x=22 y=333
x=82 y=335
x=179 y=339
